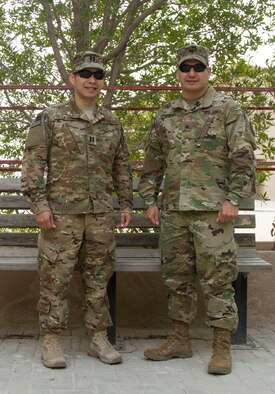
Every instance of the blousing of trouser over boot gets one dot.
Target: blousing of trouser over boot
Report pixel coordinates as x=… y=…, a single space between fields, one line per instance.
x=177 y=345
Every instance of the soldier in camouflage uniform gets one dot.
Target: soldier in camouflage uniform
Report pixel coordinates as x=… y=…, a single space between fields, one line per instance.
x=75 y=156
x=201 y=146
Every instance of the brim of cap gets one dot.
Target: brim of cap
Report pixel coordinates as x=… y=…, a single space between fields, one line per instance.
x=88 y=65
x=195 y=56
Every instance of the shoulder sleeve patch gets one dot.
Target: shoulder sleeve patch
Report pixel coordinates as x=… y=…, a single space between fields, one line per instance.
x=37 y=134
x=37 y=121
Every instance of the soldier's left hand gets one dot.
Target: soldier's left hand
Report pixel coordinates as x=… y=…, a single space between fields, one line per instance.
x=45 y=220
x=125 y=219
x=227 y=212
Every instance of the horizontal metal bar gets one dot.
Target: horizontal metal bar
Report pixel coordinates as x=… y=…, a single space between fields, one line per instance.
x=135 y=87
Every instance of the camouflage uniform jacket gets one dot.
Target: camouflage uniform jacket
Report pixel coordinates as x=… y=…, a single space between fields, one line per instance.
x=204 y=155
x=72 y=165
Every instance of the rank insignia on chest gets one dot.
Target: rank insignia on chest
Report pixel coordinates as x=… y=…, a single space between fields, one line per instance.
x=91 y=139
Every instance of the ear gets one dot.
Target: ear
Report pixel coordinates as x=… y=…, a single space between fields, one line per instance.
x=72 y=78
x=209 y=71
x=177 y=74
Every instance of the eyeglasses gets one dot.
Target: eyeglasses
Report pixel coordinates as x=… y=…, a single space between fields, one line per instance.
x=186 y=68
x=100 y=74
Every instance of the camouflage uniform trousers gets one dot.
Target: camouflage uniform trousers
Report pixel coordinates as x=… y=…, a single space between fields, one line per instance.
x=195 y=247
x=59 y=253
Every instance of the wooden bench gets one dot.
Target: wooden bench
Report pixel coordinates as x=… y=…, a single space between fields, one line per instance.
x=137 y=251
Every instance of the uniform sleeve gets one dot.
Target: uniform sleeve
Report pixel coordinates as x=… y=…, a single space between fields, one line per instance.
x=122 y=176
x=153 y=168
x=34 y=164
x=241 y=142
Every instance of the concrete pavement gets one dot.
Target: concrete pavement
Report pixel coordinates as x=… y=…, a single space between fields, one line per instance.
x=21 y=370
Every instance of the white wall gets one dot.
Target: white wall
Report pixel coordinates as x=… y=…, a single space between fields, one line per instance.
x=265 y=210
x=265 y=215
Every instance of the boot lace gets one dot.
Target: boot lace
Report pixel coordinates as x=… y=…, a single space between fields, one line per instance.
x=220 y=343
x=53 y=345
x=101 y=338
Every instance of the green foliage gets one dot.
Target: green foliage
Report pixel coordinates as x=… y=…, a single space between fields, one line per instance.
x=139 y=40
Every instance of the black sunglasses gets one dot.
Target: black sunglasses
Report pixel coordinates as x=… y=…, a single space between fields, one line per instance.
x=198 y=67
x=100 y=74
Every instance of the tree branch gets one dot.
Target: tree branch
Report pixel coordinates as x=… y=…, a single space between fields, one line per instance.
x=10 y=101
x=81 y=18
x=109 y=23
x=131 y=25
x=60 y=32
x=113 y=77
x=53 y=40
x=23 y=78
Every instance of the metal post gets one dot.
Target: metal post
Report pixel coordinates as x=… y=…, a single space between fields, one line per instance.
x=111 y=290
x=240 y=286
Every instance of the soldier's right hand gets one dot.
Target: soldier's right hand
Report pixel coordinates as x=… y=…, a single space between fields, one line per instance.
x=152 y=214
x=45 y=220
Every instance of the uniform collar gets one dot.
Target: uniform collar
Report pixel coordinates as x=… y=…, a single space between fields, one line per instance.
x=204 y=102
x=76 y=112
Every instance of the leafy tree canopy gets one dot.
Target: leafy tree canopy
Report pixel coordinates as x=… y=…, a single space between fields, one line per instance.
x=139 y=40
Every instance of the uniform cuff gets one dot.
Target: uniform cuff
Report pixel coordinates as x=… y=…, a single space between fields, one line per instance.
x=150 y=202
x=39 y=207
x=234 y=201
x=126 y=210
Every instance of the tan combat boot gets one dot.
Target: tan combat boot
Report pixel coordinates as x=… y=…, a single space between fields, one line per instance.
x=52 y=354
x=100 y=347
x=220 y=362
x=178 y=345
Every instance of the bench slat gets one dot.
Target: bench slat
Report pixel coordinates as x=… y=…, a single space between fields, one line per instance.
x=10 y=185
x=121 y=252
x=122 y=239
x=27 y=220
x=14 y=239
x=245 y=240
x=13 y=185
x=20 y=202
x=129 y=264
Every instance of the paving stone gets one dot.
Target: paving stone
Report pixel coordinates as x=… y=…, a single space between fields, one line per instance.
x=22 y=372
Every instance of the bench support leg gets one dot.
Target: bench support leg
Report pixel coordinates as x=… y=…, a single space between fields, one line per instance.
x=240 y=286
x=112 y=301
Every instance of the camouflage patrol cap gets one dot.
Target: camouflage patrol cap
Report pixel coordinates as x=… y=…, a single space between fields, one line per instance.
x=197 y=52
x=87 y=59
